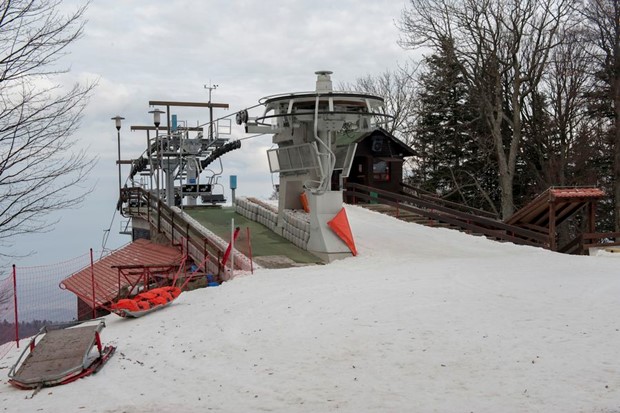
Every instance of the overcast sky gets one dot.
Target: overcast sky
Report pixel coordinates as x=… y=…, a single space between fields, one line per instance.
x=140 y=50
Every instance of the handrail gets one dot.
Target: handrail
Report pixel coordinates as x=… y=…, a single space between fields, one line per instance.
x=588 y=239
x=424 y=194
x=573 y=247
x=459 y=219
x=583 y=242
x=175 y=226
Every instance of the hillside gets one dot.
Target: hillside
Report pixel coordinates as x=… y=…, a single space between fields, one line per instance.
x=424 y=320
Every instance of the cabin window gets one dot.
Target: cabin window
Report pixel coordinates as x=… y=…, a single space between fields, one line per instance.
x=381 y=171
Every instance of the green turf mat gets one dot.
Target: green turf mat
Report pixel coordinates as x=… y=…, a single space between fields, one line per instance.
x=264 y=241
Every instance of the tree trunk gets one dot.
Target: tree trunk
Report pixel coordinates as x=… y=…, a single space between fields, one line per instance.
x=616 y=91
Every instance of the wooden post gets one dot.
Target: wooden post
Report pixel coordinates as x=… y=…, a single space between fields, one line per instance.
x=187 y=238
x=591 y=217
x=158 y=214
x=552 y=240
x=148 y=207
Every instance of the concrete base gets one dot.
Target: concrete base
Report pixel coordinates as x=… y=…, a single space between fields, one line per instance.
x=323 y=242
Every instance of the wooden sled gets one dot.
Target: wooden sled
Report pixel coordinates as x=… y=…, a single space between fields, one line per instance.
x=146 y=302
x=60 y=357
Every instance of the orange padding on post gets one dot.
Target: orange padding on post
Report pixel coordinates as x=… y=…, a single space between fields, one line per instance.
x=340 y=225
x=304 y=201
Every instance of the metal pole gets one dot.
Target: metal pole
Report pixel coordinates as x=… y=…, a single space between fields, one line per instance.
x=117 y=123
x=15 y=304
x=92 y=280
x=158 y=177
x=148 y=145
x=211 y=87
x=250 y=251
x=232 y=247
x=210 y=117
x=120 y=185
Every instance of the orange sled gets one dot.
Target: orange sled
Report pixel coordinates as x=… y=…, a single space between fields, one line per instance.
x=146 y=302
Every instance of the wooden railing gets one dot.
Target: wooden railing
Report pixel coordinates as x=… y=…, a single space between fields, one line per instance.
x=581 y=244
x=429 y=196
x=179 y=230
x=443 y=212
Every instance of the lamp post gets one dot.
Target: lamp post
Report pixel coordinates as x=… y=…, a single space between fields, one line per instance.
x=157 y=121
x=117 y=122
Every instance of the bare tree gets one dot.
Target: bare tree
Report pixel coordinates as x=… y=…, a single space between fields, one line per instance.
x=6 y=293
x=602 y=22
x=398 y=88
x=503 y=49
x=40 y=172
x=555 y=119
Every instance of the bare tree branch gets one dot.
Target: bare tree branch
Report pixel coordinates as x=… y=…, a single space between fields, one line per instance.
x=503 y=48
x=40 y=169
x=602 y=25
x=398 y=88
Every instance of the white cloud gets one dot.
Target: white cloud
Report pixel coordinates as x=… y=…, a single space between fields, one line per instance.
x=142 y=50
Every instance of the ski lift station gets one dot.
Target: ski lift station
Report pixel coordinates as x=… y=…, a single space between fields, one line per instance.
x=174 y=192
x=183 y=230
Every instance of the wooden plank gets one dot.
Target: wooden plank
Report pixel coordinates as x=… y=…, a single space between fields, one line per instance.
x=58 y=353
x=191 y=104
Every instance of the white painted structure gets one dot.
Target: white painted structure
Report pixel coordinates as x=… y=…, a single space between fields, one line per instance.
x=314 y=154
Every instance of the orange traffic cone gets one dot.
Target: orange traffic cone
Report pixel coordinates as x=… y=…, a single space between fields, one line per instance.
x=340 y=225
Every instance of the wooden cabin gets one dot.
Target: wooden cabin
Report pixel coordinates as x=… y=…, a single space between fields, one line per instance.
x=378 y=161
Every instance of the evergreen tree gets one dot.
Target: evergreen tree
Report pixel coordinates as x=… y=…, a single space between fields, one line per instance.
x=451 y=161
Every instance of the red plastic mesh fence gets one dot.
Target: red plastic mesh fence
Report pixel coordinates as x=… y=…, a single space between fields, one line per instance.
x=40 y=300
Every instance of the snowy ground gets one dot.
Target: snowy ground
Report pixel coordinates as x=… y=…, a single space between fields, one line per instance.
x=423 y=320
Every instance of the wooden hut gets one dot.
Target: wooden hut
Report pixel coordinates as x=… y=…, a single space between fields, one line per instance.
x=378 y=160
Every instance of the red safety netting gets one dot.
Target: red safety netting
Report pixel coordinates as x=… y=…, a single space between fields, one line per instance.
x=40 y=301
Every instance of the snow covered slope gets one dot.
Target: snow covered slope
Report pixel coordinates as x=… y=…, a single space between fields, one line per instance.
x=423 y=320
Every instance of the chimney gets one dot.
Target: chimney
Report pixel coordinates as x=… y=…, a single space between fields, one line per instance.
x=323 y=81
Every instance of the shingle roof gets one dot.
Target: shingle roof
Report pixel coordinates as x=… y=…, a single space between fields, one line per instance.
x=106 y=273
x=576 y=193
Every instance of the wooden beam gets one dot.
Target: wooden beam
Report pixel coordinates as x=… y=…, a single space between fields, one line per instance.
x=592 y=216
x=191 y=104
x=552 y=238
x=163 y=127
